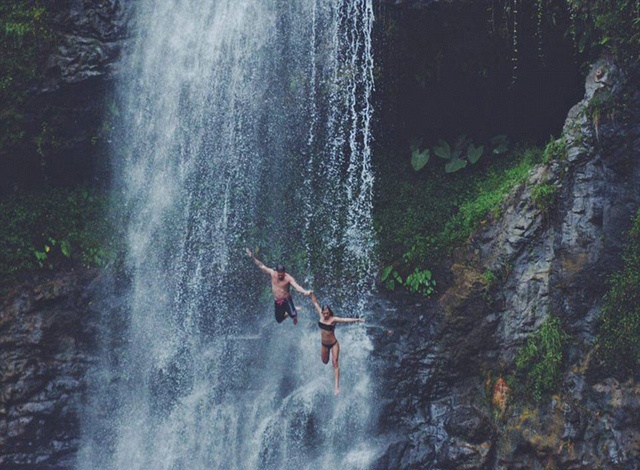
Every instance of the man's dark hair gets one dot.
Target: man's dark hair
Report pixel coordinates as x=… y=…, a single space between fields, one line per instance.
x=280 y=268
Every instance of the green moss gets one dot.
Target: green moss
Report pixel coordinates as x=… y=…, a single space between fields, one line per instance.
x=49 y=229
x=540 y=362
x=619 y=338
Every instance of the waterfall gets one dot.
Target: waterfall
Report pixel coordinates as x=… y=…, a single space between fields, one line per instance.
x=243 y=123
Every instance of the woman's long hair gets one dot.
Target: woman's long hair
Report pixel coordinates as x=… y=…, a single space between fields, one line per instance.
x=328 y=308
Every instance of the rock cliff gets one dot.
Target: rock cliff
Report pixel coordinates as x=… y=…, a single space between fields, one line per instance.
x=46 y=336
x=454 y=408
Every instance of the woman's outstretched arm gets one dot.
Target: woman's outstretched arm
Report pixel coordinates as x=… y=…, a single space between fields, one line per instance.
x=316 y=304
x=347 y=320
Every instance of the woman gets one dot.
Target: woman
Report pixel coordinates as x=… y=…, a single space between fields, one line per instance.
x=327 y=325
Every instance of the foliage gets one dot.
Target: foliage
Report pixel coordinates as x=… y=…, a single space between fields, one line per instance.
x=544 y=196
x=490 y=193
x=605 y=25
x=48 y=229
x=556 y=149
x=419 y=159
x=619 y=336
x=421 y=216
x=419 y=281
x=499 y=144
x=391 y=277
x=457 y=156
x=25 y=41
x=490 y=278
x=539 y=363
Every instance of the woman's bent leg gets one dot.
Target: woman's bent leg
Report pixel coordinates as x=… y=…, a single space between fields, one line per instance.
x=324 y=354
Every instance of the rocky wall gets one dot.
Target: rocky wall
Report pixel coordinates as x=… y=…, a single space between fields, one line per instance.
x=452 y=412
x=47 y=335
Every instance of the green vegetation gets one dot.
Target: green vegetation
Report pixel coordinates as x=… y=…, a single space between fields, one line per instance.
x=487 y=195
x=419 y=281
x=594 y=27
x=48 y=230
x=544 y=196
x=490 y=278
x=457 y=156
x=422 y=216
x=555 y=150
x=619 y=338
x=25 y=41
x=606 y=25
x=540 y=362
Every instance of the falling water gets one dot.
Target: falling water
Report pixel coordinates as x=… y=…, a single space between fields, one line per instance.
x=244 y=123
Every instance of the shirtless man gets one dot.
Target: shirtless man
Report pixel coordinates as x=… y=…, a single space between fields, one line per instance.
x=280 y=285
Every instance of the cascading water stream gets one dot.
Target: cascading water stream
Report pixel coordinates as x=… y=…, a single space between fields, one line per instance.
x=244 y=122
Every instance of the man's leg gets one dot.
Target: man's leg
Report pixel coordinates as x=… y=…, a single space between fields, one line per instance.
x=291 y=309
x=280 y=311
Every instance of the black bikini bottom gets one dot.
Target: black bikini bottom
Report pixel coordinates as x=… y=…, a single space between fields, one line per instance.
x=329 y=346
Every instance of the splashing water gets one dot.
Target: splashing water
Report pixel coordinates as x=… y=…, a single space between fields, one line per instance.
x=244 y=122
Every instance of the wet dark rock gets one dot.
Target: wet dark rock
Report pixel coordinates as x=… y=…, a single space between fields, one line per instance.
x=469 y=423
x=46 y=340
x=551 y=260
x=91 y=35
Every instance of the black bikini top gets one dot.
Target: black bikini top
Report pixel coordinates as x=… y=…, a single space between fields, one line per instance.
x=324 y=326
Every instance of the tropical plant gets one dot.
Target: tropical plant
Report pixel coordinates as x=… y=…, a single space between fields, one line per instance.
x=421 y=281
x=458 y=155
x=54 y=228
x=391 y=277
x=419 y=159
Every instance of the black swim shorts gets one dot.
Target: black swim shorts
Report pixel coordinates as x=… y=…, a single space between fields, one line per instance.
x=284 y=306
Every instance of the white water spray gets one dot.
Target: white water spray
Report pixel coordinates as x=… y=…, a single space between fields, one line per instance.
x=245 y=122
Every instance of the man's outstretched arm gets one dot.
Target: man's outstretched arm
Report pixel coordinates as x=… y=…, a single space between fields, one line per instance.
x=262 y=267
x=295 y=285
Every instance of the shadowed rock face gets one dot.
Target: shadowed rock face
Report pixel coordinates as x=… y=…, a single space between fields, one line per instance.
x=90 y=36
x=550 y=260
x=45 y=344
x=72 y=101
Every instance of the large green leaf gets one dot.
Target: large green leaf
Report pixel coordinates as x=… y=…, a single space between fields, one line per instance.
x=385 y=273
x=443 y=150
x=455 y=165
x=419 y=159
x=474 y=153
